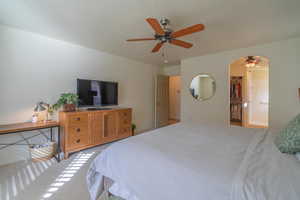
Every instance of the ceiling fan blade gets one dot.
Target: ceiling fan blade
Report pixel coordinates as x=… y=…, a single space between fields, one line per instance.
x=181 y=43
x=156 y=26
x=157 y=47
x=189 y=30
x=139 y=39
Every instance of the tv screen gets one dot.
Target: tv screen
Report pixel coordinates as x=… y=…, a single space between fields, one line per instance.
x=97 y=93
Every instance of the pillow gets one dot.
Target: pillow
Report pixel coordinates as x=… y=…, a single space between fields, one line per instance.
x=288 y=140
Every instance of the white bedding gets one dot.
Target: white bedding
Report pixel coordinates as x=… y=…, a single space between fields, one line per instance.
x=266 y=173
x=191 y=162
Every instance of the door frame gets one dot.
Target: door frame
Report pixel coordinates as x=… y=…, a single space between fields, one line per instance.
x=155 y=98
x=245 y=123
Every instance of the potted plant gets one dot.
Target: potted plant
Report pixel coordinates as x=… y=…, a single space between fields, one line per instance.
x=68 y=101
x=133 y=127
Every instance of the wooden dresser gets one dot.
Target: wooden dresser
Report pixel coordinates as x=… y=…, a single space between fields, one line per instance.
x=84 y=129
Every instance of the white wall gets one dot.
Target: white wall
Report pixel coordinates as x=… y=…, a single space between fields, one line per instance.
x=172 y=70
x=34 y=67
x=284 y=82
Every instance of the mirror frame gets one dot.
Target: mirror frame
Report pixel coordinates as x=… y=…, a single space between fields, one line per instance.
x=214 y=87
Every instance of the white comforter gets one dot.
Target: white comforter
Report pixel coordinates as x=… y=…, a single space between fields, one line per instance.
x=266 y=173
x=190 y=162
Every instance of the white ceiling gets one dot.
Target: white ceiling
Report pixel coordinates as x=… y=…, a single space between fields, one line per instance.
x=106 y=24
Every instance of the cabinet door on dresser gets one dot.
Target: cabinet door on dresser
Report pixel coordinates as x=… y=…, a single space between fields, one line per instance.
x=124 y=123
x=97 y=128
x=110 y=126
x=104 y=127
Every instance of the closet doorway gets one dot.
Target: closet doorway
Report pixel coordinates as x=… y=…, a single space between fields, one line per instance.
x=167 y=101
x=249 y=92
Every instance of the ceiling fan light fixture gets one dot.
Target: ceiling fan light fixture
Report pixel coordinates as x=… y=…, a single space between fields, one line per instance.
x=250 y=65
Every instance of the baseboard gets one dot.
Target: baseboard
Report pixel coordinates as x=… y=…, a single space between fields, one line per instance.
x=144 y=131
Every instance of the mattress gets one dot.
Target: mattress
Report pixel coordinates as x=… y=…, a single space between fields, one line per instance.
x=187 y=161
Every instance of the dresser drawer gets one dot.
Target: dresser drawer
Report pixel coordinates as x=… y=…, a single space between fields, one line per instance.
x=75 y=119
x=125 y=122
x=78 y=130
x=125 y=118
x=125 y=114
x=77 y=135
x=124 y=131
x=77 y=141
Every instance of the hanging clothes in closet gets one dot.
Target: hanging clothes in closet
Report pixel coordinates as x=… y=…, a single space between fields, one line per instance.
x=236 y=88
x=236 y=98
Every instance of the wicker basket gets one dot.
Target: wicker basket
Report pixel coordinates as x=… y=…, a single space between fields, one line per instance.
x=42 y=152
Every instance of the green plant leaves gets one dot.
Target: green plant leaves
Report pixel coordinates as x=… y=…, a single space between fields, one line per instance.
x=65 y=98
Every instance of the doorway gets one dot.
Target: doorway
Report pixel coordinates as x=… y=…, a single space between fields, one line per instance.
x=167 y=101
x=249 y=92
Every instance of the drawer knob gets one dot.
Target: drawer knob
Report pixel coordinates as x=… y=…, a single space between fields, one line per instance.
x=78 y=129
x=77 y=141
x=78 y=118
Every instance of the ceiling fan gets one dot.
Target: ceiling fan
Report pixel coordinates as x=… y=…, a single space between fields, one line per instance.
x=252 y=61
x=164 y=34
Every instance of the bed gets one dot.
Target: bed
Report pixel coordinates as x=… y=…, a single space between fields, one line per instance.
x=196 y=162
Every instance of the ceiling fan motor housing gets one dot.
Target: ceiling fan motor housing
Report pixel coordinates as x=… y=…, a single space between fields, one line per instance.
x=167 y=36
x=164 y=38
x=164 y=21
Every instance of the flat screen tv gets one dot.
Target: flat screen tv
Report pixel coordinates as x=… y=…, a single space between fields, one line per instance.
x=97 y=93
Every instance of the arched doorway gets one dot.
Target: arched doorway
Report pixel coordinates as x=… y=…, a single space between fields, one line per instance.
x=249 y=92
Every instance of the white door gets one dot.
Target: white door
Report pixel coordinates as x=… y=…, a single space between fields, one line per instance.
x=258 y=97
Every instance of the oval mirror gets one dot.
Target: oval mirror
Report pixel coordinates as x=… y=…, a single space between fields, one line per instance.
x=203 y=87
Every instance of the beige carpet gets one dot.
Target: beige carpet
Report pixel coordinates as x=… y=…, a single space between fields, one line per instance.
x=48 y=180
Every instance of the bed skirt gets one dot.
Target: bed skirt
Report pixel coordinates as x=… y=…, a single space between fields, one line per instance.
x=105 y=195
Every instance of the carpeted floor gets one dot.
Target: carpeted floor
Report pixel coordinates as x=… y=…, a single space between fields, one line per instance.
x=48 y=180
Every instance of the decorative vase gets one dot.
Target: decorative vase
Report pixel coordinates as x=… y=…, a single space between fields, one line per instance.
x=69 y=107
